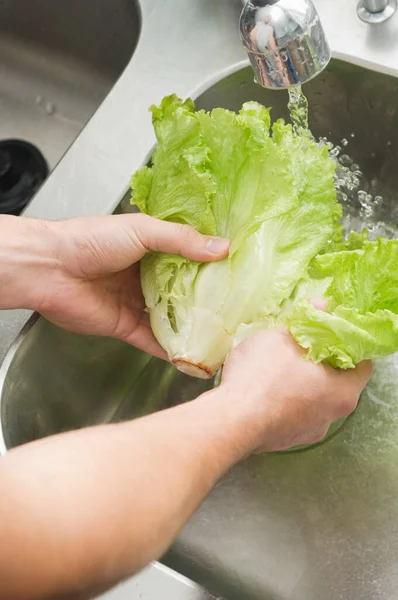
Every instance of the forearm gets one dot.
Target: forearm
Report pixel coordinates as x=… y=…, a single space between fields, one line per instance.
x=26 y=250
x=82 y=511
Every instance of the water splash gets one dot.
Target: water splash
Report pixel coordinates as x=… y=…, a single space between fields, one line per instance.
x=362 y=205
x=362 y=208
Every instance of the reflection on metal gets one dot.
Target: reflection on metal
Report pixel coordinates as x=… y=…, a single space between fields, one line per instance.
x=284 y=40
x=376 y=11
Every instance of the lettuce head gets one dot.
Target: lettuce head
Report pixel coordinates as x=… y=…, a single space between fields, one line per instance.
x=272 y=194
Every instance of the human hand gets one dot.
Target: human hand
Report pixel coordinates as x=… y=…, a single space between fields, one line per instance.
x=284 y=400
x=83 y=274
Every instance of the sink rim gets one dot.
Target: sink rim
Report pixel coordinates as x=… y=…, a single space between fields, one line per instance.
x=6 y=365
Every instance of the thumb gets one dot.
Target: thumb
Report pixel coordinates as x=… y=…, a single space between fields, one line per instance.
x=173 y=238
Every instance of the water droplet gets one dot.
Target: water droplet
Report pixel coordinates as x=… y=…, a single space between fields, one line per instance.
x=360 y=208
x=366 y=202
x=363 y=198
x=345 y=160
x=50 y=108
x=335 y=152
x=374 y=183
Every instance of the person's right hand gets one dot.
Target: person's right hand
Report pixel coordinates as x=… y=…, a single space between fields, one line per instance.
x=285 y=400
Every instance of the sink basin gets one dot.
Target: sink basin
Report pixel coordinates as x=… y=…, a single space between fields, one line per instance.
x=92 y=381
x=58 y=61
x=316 y=524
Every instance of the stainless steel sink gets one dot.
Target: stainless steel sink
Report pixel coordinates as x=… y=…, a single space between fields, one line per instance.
x=58 y=61
x=92 y=380
x=303 y=526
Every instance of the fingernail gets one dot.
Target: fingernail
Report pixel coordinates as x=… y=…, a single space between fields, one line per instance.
x=217 y=245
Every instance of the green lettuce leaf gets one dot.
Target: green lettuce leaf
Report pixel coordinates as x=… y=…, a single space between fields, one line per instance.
x=179 y=186
x=362 y=295
x=272 y=193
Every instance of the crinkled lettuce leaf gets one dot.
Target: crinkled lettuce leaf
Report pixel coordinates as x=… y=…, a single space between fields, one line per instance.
x=362 y=295
x=233 y=175
x=272 y=194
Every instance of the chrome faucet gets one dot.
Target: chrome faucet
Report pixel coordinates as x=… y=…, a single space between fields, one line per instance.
x=376 y=11
x=284 y=40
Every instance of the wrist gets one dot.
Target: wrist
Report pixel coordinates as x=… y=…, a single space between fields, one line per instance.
x=27 y=255
x=241 y=424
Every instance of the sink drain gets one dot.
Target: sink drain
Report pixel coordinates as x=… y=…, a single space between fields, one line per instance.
x=22 y=171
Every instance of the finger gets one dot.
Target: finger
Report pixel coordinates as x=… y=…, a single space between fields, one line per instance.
x=143 y=338
x=145 y=320
x=348 y=387
x=173 y=238
x=363 y=373
x=357 y=378
x=319 y=304
x=315 y=436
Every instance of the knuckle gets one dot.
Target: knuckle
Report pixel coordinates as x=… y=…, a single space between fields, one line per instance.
x=315 y=436
x=92 y=253
x=348 y=404
x=140 y=232
x=320 y=435
x=365 y=372
x=138 y=218
x=186 y=236
x=186 y=232
x=138 y=222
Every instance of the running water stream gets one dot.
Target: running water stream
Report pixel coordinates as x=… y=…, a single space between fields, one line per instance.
x=361 y=209
x=298 y=110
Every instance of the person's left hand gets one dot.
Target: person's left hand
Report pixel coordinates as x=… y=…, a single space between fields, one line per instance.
x=86 y=278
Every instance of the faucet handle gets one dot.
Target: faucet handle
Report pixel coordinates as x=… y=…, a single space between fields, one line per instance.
x=284 y=40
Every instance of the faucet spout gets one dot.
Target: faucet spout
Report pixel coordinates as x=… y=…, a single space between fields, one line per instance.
x=284 y=40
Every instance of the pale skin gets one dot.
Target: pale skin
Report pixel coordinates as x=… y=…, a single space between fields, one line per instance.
x=81 y=511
